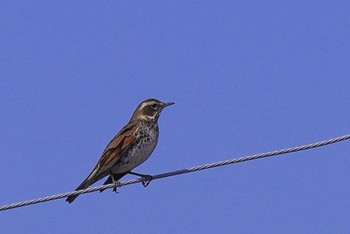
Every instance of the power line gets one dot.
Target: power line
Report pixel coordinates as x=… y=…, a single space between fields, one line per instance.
x=179 y=172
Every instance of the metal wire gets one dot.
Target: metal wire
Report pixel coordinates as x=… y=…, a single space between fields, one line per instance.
x=178 y=172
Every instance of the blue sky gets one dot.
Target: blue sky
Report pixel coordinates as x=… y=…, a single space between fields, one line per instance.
x=246 y=76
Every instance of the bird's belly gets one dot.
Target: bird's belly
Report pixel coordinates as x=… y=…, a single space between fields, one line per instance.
x=136 y=156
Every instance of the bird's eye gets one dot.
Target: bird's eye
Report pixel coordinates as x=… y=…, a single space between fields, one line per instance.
x=154 y=106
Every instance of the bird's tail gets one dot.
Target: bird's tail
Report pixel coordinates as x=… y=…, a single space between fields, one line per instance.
x=86 y=183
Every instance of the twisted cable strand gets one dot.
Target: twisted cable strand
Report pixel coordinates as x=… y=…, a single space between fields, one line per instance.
x=179 y=172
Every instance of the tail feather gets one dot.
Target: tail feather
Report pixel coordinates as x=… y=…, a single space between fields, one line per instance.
x=86 y=183
x=92 y=178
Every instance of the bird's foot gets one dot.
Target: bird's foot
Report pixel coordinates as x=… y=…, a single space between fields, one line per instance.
x=146 y=180
x=116 y=185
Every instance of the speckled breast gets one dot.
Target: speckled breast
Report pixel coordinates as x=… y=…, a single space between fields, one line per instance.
x=141 y=150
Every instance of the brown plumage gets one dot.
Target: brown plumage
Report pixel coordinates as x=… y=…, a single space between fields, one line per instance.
x=132 y=145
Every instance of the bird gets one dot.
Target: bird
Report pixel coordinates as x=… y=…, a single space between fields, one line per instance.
x=129 y=148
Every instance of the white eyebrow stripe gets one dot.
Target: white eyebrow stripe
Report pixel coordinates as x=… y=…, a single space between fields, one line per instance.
x=143 y=105
x=146 y=104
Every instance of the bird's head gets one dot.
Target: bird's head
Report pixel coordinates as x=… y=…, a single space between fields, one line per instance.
x=150 y=109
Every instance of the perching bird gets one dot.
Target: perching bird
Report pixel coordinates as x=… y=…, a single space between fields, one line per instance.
x=132 y=145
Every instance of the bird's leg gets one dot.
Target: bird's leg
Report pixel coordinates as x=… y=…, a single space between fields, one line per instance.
x=116 y=183
x=147 y=178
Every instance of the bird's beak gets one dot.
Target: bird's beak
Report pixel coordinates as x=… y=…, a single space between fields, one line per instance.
x=168 y=104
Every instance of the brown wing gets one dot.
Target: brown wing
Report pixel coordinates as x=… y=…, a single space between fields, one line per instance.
x=122 y=141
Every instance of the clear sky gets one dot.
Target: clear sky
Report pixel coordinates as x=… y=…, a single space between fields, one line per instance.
x=246 y=76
